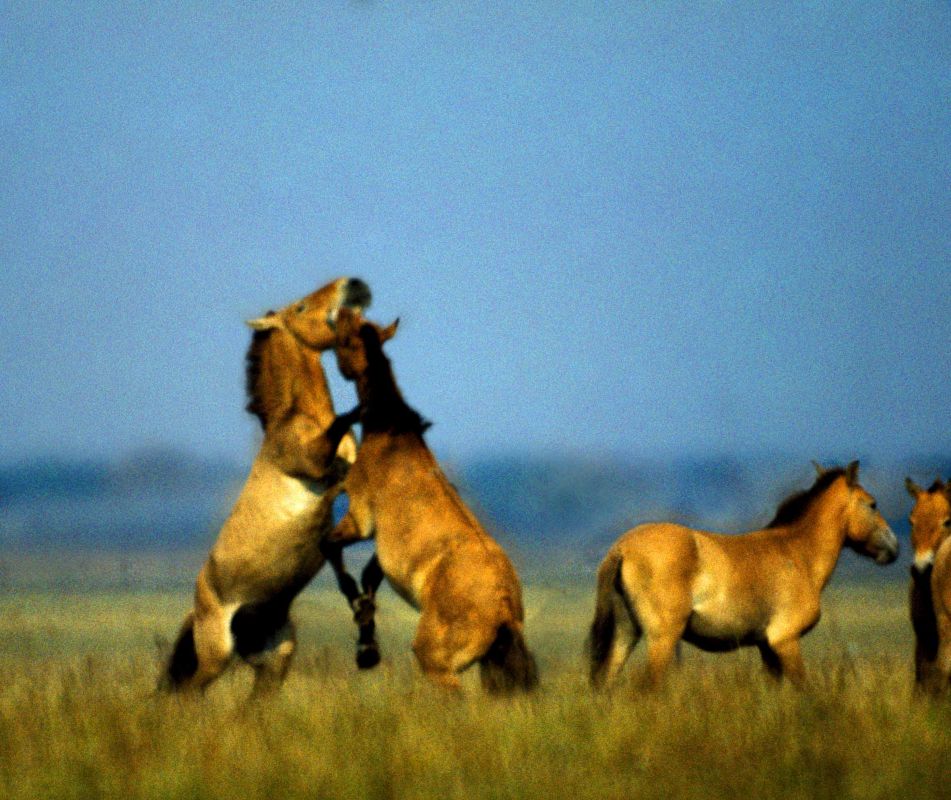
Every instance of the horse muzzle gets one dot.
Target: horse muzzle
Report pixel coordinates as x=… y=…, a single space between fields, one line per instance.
x=922 y=565
x=885 y=547
x=356 y=294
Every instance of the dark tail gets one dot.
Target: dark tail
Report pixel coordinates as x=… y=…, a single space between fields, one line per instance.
x=508 y=665
x=183 y=662
x=601 y=637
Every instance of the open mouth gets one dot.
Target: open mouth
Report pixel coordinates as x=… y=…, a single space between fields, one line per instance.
x=357 y=294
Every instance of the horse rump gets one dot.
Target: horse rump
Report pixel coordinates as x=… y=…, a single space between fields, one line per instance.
x=601 y=635
x=508 y=665
x=183 y=663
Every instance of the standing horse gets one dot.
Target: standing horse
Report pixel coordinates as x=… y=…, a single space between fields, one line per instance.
x=667 y=582
x=430 y=546
x=930 y=592
x=270 y=546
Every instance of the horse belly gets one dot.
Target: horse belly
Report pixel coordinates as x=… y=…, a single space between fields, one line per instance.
x=407 y=577
x=719 y=624
x=270 y=543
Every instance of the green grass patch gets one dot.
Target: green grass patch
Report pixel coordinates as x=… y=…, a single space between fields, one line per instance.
x=78 y=717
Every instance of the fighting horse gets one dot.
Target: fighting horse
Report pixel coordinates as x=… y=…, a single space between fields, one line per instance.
x=669 y=583
x=272 y=543
x=430 y=546
x=930 y=592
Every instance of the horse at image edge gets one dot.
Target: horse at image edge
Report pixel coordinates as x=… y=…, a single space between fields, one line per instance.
x=930 y=591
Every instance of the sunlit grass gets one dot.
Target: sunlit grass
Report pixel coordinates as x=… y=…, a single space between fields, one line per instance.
x=78 y=717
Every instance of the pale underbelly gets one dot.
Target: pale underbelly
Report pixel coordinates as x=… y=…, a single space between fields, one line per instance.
x=264 y=550
x=726 y=622
x=407 y=578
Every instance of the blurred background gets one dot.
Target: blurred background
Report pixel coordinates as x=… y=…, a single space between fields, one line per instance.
x=650 y=259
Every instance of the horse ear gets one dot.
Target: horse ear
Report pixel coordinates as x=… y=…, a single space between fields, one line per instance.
x=913 y=488
x=852 y=473
x=268 y=322
x=820 y=470
x=389 y=331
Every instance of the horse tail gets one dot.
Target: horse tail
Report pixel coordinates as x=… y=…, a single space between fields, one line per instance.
x=183 y=663
x=601 y=635
x=508 y=665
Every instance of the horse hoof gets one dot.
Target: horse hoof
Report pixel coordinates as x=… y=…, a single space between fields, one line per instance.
x=368 y=656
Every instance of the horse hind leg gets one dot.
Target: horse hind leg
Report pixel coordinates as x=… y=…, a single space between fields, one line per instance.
x=627 y=634
x=272 y=664
x=612 y=643
x=265 y=638
x=214 y=647
x=443 y=651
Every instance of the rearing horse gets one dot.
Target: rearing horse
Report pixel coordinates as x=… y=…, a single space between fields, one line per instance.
x=269 y=548
x=669 y=583
x=930 y=592
x=430 y=546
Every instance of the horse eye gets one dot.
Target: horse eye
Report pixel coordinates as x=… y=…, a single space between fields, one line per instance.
x=873 y=505
x=301 y=308
x=947 y=523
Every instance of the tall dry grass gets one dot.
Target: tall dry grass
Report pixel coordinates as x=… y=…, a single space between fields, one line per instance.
x=78 y=718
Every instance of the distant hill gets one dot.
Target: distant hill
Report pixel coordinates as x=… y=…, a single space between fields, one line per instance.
x=553 y=512
x=152 y=500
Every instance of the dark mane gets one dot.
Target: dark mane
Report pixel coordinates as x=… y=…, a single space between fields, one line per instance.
x=387 y=410
x=252 y=372
x=794 y=507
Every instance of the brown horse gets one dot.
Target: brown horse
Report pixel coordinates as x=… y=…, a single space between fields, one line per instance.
x=670 y=583
x=430 y=546
x=930 y=593
x=270 y=546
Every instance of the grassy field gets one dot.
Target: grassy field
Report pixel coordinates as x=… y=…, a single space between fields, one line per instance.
x=78 y=718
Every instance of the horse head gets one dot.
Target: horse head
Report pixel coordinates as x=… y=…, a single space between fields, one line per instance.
x=310 y=320
x=867 y=532
x=358 y=340
x=930 y=522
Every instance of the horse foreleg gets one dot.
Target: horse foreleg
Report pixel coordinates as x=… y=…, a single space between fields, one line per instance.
x=368 y=651
x=939 y=672
x=786 y=660
x=362 y=603
x=333 y=552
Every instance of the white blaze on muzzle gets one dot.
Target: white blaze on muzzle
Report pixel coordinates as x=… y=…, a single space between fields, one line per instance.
x=924 y=560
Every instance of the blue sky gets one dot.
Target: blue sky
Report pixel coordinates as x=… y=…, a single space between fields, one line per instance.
x=607 y=227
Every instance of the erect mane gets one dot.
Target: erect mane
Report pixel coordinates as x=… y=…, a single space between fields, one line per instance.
x=387 y=410
x=794 y=507
x=252 y=375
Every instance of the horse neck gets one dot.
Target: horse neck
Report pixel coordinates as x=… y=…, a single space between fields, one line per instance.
x=820 y=536
x=293 y=381
x=384 y=408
